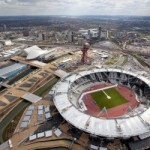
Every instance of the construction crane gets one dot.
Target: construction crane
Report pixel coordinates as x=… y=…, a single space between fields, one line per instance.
x=84 y=50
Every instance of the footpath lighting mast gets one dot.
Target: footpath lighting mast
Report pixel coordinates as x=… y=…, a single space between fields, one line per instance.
x=84 y=50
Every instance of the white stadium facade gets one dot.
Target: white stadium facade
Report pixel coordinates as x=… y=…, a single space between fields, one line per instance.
x=67 y=91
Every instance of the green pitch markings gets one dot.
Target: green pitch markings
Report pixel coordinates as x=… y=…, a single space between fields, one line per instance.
x=108 y=98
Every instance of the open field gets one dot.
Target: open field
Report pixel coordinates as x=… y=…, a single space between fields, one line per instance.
x=102 y=100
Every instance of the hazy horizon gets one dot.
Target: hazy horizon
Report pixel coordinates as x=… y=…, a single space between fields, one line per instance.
x=72 y=16
x=74 y=8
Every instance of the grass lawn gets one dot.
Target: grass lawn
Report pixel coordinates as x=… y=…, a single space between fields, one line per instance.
x=102 y=100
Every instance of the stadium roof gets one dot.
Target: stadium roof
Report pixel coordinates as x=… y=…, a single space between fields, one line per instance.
x=118 y=127
x=34 y=52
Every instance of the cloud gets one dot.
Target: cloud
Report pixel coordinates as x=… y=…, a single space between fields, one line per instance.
x=75 y=7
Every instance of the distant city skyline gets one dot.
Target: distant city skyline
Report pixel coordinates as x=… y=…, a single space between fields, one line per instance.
x=75 y=7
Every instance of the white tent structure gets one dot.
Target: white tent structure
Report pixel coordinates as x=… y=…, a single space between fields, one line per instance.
x=34 y=52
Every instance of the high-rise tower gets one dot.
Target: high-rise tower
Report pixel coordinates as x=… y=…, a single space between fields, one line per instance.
x=99 y=32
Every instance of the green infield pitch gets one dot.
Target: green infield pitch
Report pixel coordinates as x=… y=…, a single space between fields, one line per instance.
x=102 y=100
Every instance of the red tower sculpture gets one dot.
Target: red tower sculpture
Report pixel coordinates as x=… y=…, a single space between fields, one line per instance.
x=84 y=50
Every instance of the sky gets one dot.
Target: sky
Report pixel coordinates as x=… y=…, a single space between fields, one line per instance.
x=74 y=7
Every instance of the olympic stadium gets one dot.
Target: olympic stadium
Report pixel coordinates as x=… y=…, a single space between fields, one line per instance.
x=128 y=117
x=74 y=101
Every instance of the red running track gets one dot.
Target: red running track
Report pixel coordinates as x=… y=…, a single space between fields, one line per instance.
x=94 y=110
